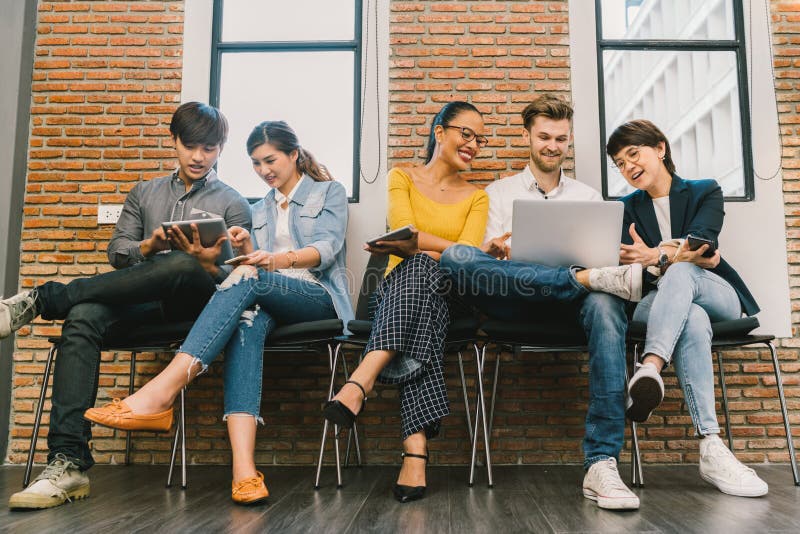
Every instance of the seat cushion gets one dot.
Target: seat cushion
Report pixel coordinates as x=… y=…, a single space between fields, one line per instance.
x=306 y=332
x=723 y=331
x=541 y=333
x=461 y=329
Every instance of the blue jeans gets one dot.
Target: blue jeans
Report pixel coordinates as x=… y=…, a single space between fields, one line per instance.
x=512 y=290
x=240 y=316
x=679 y=316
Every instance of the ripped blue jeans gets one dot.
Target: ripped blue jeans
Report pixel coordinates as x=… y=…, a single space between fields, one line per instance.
x=679 y=316
x=242 y=313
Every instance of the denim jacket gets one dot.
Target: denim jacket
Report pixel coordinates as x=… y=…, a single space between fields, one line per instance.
x=318 y=219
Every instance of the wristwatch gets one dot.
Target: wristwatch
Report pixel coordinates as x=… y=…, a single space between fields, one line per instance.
x=663 y=259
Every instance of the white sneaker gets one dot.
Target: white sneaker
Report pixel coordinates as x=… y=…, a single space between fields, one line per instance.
x=645 y=393
x=61 y=481
x=718 y=466
x=603 y=484
x=624 y=281
x=16 y=312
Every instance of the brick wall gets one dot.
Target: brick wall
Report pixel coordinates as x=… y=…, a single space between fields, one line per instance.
x=107 y=77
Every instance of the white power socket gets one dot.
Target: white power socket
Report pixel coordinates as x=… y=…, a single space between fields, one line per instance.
x=108 y=213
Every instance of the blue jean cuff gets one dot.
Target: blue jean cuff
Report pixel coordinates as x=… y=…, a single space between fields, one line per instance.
x=258 y=418
x=589 y=461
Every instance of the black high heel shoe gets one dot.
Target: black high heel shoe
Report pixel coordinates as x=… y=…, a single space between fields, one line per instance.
x=339 y=414
x=410 y=493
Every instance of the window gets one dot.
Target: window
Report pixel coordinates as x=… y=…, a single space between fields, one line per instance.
x=297 y=61
x=681 y=65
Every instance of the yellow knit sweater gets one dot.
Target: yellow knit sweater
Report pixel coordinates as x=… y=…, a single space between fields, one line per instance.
x=463 y=222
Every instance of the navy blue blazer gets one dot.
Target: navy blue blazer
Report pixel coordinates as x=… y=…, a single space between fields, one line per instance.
x=695 y=207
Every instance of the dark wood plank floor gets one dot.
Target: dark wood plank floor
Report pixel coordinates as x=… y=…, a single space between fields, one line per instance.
x=524 y=499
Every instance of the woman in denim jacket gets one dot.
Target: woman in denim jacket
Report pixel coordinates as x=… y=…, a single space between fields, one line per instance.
x=293 y=270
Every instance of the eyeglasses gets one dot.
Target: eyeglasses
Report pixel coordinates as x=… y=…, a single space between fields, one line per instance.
x=632 y=156
x=467 y=134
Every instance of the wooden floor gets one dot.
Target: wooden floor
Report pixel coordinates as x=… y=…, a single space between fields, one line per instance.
x=524 y=499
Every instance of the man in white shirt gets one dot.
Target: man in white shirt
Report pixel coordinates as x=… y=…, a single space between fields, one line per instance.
x=510 y=290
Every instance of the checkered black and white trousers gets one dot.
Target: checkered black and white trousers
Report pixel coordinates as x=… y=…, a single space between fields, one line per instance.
x=410 y=315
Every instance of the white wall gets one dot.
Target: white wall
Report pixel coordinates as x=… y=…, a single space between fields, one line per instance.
x=754 y=237
x=368 y=216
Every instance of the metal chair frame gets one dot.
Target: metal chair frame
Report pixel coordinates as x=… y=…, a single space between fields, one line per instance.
x=180 y=424
x=717 y=347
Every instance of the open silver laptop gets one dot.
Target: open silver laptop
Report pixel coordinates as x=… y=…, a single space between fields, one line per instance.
x=560 y=233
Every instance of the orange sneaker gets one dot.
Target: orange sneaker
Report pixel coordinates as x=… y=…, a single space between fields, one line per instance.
x=250 y=491
x=117 y=414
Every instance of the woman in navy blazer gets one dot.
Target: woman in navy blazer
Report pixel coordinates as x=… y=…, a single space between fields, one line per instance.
x=688 y=291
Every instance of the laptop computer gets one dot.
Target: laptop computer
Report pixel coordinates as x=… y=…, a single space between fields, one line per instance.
x=560 y=233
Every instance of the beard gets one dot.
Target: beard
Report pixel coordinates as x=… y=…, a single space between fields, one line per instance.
x=547 y=165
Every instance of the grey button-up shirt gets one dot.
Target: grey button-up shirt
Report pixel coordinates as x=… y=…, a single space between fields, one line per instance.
x=165 y=199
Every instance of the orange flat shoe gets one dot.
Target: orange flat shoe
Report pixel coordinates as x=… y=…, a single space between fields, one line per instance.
x=117 y=414
x=250 y=491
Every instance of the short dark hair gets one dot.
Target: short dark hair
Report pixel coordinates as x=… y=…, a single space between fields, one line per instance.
x=448 y=112
x=195 y=123
x=549 y=106
x=639 y=132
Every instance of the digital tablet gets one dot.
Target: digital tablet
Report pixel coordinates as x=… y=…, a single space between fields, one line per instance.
x=395 y=235
x=210 y=230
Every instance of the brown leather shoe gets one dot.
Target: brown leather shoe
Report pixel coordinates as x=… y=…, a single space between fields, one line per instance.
x=250 y=491
x=117 y=414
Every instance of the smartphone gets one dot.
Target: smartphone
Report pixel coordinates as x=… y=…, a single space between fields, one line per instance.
x=237 y=259
x=697 y=242
x=395 y=235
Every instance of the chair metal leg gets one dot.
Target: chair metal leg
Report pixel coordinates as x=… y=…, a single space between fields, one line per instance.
x=464 y=393
x=183 y=439
x=637 y=480
x=130 y=392
x=37 y=420
x=174 y=451
x=782 y=398
x=321 y=453
x=352 y=434
x=479 y=353
x=724 y=390
x=480 y=417
x=333 y=360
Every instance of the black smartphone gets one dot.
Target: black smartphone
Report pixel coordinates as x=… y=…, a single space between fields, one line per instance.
x=395 y=235
x=697 y=242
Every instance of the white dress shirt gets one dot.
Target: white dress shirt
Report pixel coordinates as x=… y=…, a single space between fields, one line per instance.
x=503 y=193
x=283 y=239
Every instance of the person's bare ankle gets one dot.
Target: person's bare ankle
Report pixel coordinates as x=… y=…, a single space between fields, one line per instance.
x=144 y=405
x=350 y=395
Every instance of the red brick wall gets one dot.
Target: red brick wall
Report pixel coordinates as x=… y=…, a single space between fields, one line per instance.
x=107 y=77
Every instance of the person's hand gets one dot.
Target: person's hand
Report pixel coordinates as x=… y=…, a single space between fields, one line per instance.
x=404 y=247
x=240 y=239
x=155 y=243
x=207 y=256
x=497 y=247
x=638 y=252
x=696 y=256
x=267 y=260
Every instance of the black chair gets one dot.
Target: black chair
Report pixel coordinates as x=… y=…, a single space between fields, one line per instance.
x=461 y=333
x=164 y=337
x=726 y=335
x=532 y=336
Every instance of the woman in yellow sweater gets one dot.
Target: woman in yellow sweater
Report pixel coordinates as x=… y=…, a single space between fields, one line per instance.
x=410 y=309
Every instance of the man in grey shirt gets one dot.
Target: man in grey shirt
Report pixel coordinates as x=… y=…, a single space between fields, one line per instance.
x=159 y=279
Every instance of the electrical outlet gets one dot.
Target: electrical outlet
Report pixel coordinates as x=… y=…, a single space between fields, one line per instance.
x=108 y=213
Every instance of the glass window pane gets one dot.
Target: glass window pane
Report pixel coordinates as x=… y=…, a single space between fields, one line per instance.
x=693 y=97
x=668 y=19
x=312 y=91
x=298 y=20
